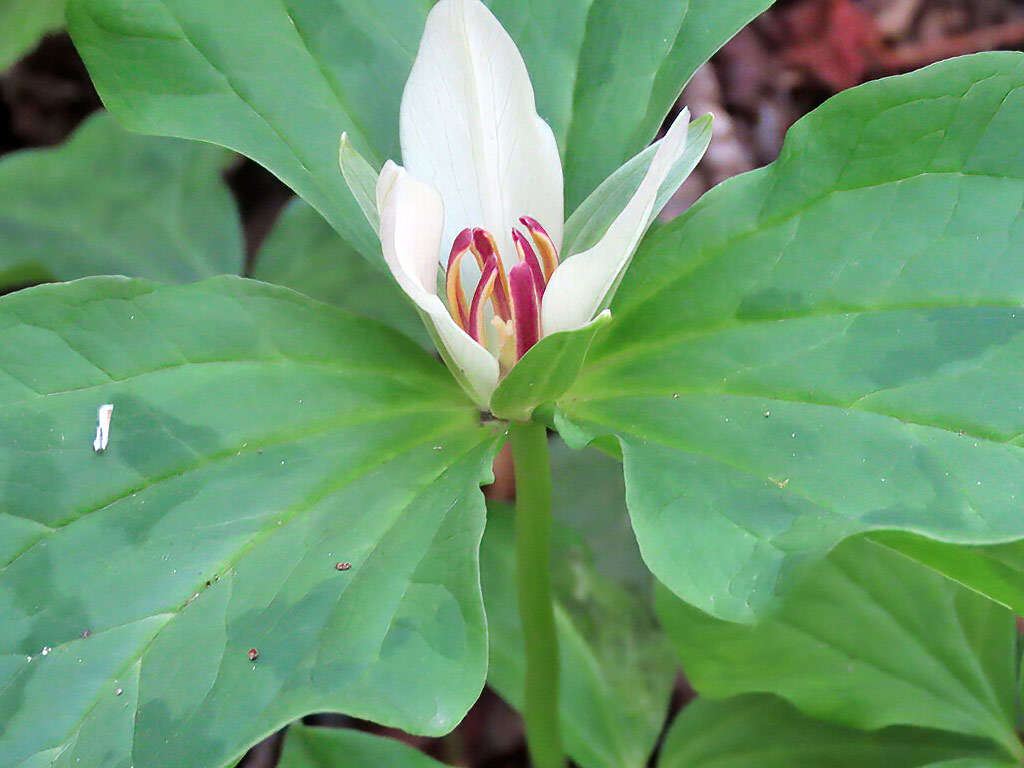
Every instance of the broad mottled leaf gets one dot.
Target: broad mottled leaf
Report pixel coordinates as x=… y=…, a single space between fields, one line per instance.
x=293 y=75
x=111 y=202
x=278 y=82
x=634 y=60
x=830 y=345
x=765 y=732
x=617 y=668
x=303 y=252
x=259 y=439
x=23 y=22
x=869 y=639
x=306 y=747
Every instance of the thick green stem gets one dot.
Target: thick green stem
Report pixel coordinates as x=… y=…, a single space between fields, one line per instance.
x=533 y=575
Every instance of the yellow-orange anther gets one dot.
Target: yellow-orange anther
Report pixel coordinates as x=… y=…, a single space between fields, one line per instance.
x=457 y=304
x=484 y=291
x=545 y=245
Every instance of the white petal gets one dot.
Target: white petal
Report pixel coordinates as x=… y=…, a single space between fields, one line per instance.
x=582 y=285
x=411 y=216
x=469 y=126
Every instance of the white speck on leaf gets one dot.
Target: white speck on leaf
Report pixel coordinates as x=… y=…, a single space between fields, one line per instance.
x=103 y=415
x=46 y=650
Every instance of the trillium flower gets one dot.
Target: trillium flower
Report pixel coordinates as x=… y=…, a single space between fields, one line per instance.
x=472 y=226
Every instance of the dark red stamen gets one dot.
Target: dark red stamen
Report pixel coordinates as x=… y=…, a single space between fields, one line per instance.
x=485 y=248
x=484 y=289
x=529 y=256
x=525 y=306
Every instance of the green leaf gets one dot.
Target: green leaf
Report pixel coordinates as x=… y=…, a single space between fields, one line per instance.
x=278 y=82
x=110 y=202
x=869 y=639
x=588 y=496
x=23 y=22
x=995 y=571
x=591 y=219
x=303 y=252
x=616 y=669
x=258 y=439
x=634 y=61
x=546 y=370
x=306 y=747
x=830 y=345
x=292 y=75
x=764 y=732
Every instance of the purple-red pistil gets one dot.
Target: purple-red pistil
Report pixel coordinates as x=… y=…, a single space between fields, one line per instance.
x=516 y=296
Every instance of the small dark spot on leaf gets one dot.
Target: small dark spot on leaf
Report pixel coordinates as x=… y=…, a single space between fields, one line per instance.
x=253 y=654
x=343 y=566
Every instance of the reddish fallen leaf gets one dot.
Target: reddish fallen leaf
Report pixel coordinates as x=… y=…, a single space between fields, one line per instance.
x=834 y=41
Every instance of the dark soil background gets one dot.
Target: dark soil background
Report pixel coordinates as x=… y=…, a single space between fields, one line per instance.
x=786 y=63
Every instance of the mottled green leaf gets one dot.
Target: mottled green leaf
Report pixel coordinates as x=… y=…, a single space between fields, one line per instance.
x=306 y=747
x=830 y=345
x=278 y=82
x=869 y=639
x=259 y=439
x=23 y=22
x=303 y=252
x=588 y=496
x=635 y=59
x=292 y=75
x=765 y=732
x=616 y=669
x=111 y=202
